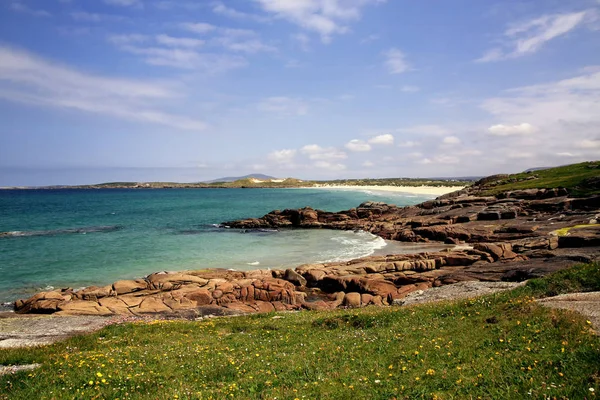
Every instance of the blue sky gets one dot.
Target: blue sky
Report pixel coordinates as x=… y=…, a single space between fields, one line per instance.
x=104 y=90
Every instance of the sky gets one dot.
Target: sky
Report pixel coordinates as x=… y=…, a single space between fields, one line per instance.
x=153 y=90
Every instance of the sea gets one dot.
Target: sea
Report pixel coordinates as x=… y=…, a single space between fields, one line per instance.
x=51 y=239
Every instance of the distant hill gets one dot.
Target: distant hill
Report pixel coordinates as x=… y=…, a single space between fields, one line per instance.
x=238 y=178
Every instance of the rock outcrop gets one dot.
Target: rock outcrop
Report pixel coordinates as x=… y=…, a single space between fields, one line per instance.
x=512 y=237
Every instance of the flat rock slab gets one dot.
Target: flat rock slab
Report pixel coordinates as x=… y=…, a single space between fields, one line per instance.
x=19 y=331
x=587 y=304
x=460 y=290
x=12 y=369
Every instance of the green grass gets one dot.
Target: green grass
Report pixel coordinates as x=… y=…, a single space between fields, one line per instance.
x=581 y=179
x=581 y=278
x=495 y=347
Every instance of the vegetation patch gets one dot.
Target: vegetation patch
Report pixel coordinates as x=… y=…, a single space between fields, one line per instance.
x=581 y=179
x=581 y=278
x=499 y=346
x=565 y=231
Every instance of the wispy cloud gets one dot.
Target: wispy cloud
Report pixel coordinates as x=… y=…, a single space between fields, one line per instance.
x=125 y=3
x=559 y=115
x=198 y=27
x=358 y=145
x=324 y=17
x=177 y=52
x=316 y=152
x=27 y=78
x=395 y=61
x=427 y=130
x=509 y=130
x=94 y=17
x=233 y=39
x=171 y=41
x=22 y=8
x=410 y=89
x=285 y=156
x=284 y=106
x=386 y=139
x=220 y=8
x=303 y=41
x=451 y=140
x=530 y=36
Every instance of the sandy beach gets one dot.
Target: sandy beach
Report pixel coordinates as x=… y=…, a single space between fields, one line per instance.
x=420 y=190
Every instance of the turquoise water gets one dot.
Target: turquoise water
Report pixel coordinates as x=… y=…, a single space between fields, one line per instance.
x=76 y=238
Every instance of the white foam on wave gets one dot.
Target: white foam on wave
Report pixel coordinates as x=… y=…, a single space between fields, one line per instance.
x=253 y=263
x=353 y=245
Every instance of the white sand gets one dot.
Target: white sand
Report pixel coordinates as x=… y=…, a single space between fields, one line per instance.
x=424 y=190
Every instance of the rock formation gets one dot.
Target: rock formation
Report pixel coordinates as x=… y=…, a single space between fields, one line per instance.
x=513 y=236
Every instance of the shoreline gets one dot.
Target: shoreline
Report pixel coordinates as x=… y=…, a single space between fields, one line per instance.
x=418 y=190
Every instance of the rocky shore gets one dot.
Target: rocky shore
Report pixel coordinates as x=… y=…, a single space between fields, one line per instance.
x=509 y=237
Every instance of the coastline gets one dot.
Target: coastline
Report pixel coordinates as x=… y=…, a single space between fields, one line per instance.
x=418 y=190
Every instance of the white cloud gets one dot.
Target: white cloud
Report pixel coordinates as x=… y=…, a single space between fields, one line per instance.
x=451 y=140
x=508 y=130
x=167 y=40
x=284 y=106
x=185 y=58
x=325 y=17
x=427 y=130
x=358 y=145
x=330 y=166
x=395 y=61
x=303 y=41
x=369 y=39
x=410 y=89
x=92 y=17
x=529 y=36
x=198 y=27
x=382 y=139
x=237 y=40
x=565 y=114
x=177 y=52
x=409 y=144
x=490 y=55
x=128 y=39
x=368 y=164
x=440 y=159
x=22 y=8
x=284 y=156
x=125 y=3
x=221 y=9
x=233 y=42
x=29 y=79
x=589 y=144
x=316 y=152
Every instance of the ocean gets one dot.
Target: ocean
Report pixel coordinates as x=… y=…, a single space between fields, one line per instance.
x=76 y=238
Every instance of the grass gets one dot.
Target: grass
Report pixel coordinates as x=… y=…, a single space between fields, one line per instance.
x=581 y=179
x=500 y=346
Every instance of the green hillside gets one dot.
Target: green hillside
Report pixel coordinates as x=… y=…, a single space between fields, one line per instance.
x=580 y=179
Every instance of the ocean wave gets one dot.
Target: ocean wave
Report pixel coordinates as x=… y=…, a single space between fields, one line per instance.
x=254 y=263
x=354 y=245
x=55 y=232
